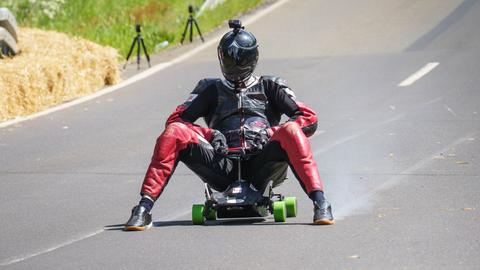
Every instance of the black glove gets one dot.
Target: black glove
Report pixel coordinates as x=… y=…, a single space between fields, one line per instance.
x=219 y=143
x=258 y=139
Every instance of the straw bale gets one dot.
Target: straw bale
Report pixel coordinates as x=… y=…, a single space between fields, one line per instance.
x=52 y=68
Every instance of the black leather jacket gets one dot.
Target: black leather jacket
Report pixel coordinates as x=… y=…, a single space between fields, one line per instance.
x=239 y=113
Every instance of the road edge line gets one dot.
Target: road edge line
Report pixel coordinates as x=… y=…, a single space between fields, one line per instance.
x=67 y=243
x=419 y=74
x=78 y=239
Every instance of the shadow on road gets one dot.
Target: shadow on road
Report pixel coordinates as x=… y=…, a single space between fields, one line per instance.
x=172 y=223
x=254 y=222
x=231 y=222
x=241 y=222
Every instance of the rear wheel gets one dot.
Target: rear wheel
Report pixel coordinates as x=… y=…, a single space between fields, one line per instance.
x=212 y=214
x=279 y=211
x=291 y=204
x=197 y=214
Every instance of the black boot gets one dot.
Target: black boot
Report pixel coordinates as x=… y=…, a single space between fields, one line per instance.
x=140 y=219
x=322 y=213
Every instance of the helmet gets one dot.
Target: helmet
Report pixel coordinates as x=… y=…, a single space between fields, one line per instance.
x=237 y=53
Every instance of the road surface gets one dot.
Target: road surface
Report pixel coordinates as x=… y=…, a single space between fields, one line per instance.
x=395 y=86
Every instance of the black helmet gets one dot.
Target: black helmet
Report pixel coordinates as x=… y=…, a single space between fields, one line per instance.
x=238 y=53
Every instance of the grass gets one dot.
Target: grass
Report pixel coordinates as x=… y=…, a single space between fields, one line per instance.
x=111 y=22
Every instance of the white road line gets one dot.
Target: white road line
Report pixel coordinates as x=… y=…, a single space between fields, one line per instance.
x=177 y=215
x=449 y=109
x=78 y=239
x=354 y=205
x=339 y=142
x=317 y=133
x=419 y=74
x=420 y=164
x=362 y=132
x=435 y=100
x=143 y=74
x=72 y=241
x=356 y=135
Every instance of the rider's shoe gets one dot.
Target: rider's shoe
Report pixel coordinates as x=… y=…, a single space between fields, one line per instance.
x=322 y=213
x=140 y=219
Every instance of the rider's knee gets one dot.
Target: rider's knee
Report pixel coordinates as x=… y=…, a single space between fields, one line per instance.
x=175 y=129
x=178 y=132
x=290 y=129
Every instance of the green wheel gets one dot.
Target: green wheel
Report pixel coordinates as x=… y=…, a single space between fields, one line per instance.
x=291 y=204
x=279 y=211
x=212 y=214
x=197 y=214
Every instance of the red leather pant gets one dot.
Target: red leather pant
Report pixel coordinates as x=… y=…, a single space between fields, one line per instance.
x=287 y=146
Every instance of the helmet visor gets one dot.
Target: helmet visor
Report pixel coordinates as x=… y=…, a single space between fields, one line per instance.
x=235 y=58
x=238 y=64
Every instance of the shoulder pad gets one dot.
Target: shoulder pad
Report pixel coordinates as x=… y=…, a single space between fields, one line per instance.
x=276 y=80
x=203 y=84
x=280 y=84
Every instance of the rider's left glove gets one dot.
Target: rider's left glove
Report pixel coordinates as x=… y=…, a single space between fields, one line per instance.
x=260 y=139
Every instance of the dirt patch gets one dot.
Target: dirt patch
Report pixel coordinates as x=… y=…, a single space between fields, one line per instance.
x=150 y=10
x=52 y=68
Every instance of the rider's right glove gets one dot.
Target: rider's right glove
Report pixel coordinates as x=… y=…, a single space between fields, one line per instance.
x=219 y=143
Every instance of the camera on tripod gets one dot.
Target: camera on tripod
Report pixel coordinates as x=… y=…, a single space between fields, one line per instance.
x=189 y=26
x=138 y=41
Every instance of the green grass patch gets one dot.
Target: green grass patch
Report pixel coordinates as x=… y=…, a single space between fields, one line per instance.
x=111 y=22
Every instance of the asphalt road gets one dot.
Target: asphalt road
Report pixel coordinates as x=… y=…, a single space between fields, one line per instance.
x=400 y=163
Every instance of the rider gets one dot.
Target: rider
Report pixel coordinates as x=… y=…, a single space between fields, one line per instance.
x=242 y=111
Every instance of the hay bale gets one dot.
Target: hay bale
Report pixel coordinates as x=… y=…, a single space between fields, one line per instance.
x=52 y=68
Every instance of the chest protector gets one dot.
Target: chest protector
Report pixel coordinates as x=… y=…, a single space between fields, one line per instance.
x=241 y=113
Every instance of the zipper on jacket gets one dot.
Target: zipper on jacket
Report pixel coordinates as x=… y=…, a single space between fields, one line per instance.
x=242 y=119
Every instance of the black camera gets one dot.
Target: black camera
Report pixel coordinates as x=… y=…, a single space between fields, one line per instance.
x=138 y=28
x=235 y=24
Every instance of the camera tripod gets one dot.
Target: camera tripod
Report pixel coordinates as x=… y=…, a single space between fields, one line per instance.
x=140 y=43
x=191 y=20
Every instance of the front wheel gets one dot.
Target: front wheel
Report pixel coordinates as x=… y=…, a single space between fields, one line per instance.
x=197 y=214
x=279 y=211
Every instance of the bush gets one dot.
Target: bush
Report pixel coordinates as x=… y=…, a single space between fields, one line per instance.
x=33 y=11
